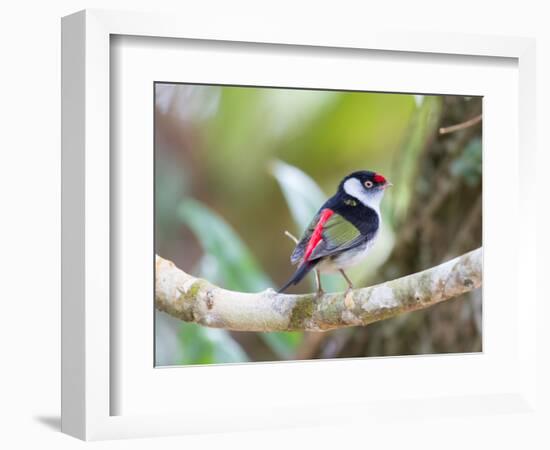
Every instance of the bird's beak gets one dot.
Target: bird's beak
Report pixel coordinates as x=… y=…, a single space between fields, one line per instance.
x=388 y=184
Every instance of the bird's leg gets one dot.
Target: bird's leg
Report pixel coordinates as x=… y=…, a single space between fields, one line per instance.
x=348 y=296
x=320 y=291
x=350 y=284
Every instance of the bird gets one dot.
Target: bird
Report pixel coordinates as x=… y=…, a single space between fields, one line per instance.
x=342 y=231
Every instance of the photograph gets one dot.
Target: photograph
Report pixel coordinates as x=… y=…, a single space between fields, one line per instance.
x=298 y=224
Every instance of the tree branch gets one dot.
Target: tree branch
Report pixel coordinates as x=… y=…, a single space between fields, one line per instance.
x=195 y=300
x=461 y=126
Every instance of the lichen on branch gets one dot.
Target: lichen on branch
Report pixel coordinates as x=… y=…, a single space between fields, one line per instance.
x=196 y=300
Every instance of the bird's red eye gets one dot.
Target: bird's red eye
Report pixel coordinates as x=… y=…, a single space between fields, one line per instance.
x=378 y=178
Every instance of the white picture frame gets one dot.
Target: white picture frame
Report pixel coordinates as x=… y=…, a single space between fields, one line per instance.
x=92 y=404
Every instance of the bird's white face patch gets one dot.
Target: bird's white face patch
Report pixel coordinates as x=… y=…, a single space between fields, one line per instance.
x=372 y=199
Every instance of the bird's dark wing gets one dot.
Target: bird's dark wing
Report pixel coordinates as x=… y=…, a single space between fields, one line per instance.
x=300 y=250
x=327 y=234
x=338 y=235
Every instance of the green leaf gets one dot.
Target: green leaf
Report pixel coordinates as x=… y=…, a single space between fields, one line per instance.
x=303 y=196
x=202 y=345
x=229 y=263
x=422 y=125
x=284 y=344
x=236 y=267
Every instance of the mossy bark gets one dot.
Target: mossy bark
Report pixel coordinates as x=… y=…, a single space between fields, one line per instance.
x=195 y=300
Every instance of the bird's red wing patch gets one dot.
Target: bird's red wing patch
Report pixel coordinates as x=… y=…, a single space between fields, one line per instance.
x=317 y=234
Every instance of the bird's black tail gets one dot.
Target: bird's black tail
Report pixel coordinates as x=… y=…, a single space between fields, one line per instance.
x=298 y=276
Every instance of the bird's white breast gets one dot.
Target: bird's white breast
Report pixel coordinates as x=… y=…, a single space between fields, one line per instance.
x=347 y=258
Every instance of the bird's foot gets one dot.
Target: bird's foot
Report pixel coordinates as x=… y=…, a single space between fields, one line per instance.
x=348 y=298
x=320 y=293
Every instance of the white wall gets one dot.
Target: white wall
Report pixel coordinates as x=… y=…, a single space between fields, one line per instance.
x=30 y=188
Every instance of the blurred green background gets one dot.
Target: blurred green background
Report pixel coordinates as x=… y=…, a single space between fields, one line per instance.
x=237 y=166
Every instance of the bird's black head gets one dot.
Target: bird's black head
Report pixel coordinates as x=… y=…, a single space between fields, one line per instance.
x=369 y=181
x=365 y=186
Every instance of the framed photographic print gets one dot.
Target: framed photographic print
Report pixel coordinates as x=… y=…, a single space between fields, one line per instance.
x=238 y=148
x=254 y=221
